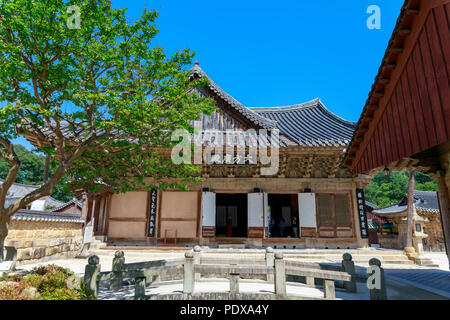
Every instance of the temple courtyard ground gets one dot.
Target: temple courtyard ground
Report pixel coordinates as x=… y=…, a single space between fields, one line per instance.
x=405 y=281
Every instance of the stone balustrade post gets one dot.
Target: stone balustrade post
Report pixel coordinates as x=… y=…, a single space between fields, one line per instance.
x=234 y=283
x=197 y=251
x=270 y=262
x=329 y=289
x=280 y=275
x=91 y=273
x=380 y=292
x=117 y=265
x=310 y=282
x=139 y=288
x=189 y=276
x=349 y=267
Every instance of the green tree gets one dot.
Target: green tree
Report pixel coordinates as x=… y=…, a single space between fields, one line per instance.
x=100 y=99
x=385 y=190
x=31 y=170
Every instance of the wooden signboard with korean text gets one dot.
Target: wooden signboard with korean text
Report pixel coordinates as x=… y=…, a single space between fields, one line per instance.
x=362 y=213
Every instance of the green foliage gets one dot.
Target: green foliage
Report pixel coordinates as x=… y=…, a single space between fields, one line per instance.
x=32 y=166
x=31 y=172
x=383 y=191
x=107 y=95
x=52 y=283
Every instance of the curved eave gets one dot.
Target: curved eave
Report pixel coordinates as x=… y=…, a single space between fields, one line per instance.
x=389 y=62
x=246 y=112
x=310 y=124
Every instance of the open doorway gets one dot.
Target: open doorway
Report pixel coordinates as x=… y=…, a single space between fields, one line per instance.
x=231 y=215
x=283 y=222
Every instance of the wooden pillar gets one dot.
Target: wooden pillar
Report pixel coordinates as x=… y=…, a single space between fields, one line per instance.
x=84 y=205
x=443 y=183
x=107 y=208
x=84 y=209
x=96 y=212
x=409 y=241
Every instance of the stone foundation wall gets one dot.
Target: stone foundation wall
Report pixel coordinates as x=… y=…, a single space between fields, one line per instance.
x=44 y=240
x=389 y=241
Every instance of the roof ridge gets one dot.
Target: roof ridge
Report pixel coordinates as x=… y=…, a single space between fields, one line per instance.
x=317 y=102
x=424 y=191
x=22 y=184
x=335 y=115
x=62 y=206
x=304 y=105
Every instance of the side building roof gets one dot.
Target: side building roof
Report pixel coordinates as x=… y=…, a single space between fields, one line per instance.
x=310 y=123
x=423 y=200
x=18 y=190
x=65 y=205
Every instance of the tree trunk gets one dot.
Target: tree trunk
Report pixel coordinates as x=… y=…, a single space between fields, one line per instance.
x=444 y=205
x=46 y=168
x=409 y=242
x=3 y=235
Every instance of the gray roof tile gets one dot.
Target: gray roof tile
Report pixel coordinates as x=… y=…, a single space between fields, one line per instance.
x=424 y=200
x=310 y=123
x=307 y=124
x=46 y=216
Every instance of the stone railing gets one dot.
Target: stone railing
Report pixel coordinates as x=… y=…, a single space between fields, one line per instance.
x=274 y=268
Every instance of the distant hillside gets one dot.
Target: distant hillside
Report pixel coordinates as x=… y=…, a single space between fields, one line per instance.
x=32 y=172
x=383 y=191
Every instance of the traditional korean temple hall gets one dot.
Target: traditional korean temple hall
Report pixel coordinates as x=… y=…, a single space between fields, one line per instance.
x=312 y=201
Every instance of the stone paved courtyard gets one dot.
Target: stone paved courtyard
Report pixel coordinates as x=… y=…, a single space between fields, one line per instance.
x=434 y=280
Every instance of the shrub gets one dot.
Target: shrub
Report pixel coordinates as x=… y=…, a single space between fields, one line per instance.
x=52 y=283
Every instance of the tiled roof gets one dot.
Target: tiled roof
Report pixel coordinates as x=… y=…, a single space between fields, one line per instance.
x=423 y=200
x=45 y=216
x=18 y=190
x=307 y=124
x=52 y=202
x=428 y=200
x=252 y=116
x=310 y=123
x=64 y=205
x=10 y=200
x=371 y=205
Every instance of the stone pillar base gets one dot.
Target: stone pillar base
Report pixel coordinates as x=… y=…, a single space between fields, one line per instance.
x=411 y=253
x=422 y=261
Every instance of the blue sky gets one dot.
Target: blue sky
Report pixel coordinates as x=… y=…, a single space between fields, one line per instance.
x=278 y=53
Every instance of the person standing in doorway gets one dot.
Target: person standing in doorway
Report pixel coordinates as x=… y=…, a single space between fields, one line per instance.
x=229 y=227
x=282 y=226
x=295 y=226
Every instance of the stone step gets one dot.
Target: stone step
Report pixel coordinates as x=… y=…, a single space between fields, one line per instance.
x=232 y=246
x=352 y=252
x=339 y=258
